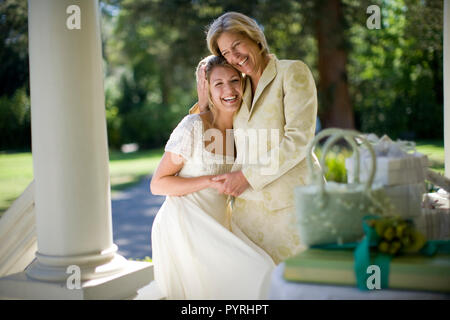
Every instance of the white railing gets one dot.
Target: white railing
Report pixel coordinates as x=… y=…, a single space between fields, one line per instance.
x=18 y=241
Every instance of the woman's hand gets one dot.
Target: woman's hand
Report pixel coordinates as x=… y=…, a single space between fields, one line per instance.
x=202 y=89
x=218 y=185
x=233 y=183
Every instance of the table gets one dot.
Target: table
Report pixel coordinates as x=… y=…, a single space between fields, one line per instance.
x=281 y=289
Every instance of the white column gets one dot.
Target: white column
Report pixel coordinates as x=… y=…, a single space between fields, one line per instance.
x=70 y=157
x=447 y=86
x=70 y=150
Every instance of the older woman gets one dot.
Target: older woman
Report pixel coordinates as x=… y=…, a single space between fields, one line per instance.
x=279 y=101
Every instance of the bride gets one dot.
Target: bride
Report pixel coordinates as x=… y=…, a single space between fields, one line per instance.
x=198 y=252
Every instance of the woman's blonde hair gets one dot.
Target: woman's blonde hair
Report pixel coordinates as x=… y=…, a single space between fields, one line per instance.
x=235 y=22
x=212 y=62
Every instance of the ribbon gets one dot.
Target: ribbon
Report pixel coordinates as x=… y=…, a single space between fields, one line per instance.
x=434 y=246
x=363 y=258
x=229 y=212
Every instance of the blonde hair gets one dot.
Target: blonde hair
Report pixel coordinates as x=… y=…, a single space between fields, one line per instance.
x=211 y=63
x=235 y=22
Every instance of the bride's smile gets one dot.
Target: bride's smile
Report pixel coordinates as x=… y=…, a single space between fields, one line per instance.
x=225 y=88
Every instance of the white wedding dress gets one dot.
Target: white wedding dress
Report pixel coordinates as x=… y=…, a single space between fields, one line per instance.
x=195 y=255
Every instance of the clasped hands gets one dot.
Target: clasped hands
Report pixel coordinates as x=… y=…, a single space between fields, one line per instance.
x=233 y=183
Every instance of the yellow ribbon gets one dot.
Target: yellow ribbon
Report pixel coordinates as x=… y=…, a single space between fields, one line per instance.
x=229 y=211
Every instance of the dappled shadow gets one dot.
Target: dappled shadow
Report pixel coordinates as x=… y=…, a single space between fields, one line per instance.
x=133 y=212
x=130 y=181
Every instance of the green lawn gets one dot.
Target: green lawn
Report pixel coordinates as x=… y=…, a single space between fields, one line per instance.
x=16 y=169
x=16 y=172
x=126 y=169
x=435 y=152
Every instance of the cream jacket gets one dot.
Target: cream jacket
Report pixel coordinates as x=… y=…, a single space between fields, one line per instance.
x=284 y=110
x=285 y=101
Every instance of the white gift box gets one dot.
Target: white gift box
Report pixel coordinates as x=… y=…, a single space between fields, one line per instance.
x=399 y=168
x=437 y=200
x=406 y=199
x=395 y=165
x=434 y=222
x=392 y=171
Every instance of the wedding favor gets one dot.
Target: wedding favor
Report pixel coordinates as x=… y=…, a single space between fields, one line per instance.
x=400 y=169
x=397 y=162
x=435 y=219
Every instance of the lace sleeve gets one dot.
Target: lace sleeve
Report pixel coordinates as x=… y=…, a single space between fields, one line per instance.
x=181 y=140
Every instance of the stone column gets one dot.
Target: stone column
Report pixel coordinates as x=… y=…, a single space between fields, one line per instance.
x=70 y=150
x=70 y=154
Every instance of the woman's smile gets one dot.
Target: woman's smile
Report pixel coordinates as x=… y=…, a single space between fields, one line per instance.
x=241 y=52
x=230 y=99
x=242 y=62
x=225 y=88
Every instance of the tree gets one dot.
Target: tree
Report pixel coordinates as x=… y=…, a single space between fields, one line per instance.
x=378 y=81
x=13 y=46
x=15 y=128
x=157 y=45
x=396 y=72
x=329 y=21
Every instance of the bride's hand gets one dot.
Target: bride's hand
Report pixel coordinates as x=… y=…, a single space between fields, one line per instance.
x=218 y=185
x=233 y=183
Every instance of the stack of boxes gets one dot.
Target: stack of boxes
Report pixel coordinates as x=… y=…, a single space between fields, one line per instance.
x=402 y=173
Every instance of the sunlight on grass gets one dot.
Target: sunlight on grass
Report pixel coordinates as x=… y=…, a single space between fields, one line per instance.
x=435 y=152
x=16 y=173
x=126 y=169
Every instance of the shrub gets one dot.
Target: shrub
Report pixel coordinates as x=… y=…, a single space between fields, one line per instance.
x=335 y=163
